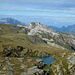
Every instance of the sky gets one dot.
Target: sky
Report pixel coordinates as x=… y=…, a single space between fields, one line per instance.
x=49 y=12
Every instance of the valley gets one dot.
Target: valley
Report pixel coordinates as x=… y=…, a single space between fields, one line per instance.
x=19 y=44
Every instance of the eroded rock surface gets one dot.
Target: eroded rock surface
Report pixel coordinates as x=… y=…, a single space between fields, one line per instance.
x=21 y=66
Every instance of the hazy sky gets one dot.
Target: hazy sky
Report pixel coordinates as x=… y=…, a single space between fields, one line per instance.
x=50 y=12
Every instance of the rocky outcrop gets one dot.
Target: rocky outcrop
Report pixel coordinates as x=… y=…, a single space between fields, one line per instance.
x=36 y=28
x=50 y=36
x=22 y=66
x=71 y=63
x=65 y=66
x=14 y=52
x=39 y=63
x=30 y=52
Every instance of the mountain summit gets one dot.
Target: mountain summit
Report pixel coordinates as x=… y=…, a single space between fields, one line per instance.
x=37 y=28
x=50 y=36
x=10 y=21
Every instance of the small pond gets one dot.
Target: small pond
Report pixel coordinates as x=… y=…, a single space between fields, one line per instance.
x=47 y=60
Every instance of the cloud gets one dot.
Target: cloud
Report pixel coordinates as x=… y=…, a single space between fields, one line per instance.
x=38 y=4
x=36 y=7
x=40 y=12
x=53 y=10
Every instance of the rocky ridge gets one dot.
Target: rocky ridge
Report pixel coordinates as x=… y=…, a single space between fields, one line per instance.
x=37 y=28
x=50 y=36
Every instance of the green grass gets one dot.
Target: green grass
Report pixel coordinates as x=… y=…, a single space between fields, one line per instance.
x=64 y=63
x=14 y=39
x=14 y=36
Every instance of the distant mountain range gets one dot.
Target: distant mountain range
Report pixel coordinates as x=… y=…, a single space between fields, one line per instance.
x=10 y=21
x=69 y=29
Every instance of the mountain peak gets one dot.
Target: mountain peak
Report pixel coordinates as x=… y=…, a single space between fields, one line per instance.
x=34 y=24
x=37 y=28
x=10 y=21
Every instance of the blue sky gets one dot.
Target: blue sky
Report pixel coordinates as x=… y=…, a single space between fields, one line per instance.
x=49 y=12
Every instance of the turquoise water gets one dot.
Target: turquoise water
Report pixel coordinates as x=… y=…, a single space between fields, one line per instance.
x=47 y=60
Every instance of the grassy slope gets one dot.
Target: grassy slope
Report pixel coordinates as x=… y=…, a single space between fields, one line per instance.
x=21 y=39
x=12 y=38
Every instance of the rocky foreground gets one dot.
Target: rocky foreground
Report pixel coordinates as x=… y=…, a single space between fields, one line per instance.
x=65 y=65
x=22 y=66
